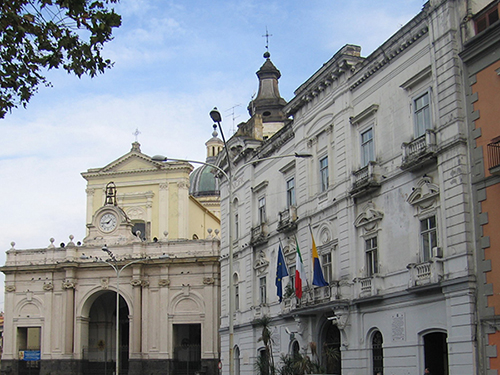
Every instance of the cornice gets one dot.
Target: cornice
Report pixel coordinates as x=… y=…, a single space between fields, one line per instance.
x=384 y=55
x=340 y=64
x=101 y=173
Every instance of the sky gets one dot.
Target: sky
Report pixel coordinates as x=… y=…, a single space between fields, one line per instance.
x=174 y=60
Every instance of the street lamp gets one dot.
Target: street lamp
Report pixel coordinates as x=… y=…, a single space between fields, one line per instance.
x=118 y=271
x=217 y=118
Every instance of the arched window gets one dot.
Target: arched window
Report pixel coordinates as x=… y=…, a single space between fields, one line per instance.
x=377 y=353
x=236 y=360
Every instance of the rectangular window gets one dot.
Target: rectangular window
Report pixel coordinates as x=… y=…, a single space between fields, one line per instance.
x=262 y=210
x=486 y=19
x=290 y=193
x=371 y=256
x=262 y=290
x=323 y=173
x=367 y=153
x=422 y=114
x=428 y=234
x=326 y=263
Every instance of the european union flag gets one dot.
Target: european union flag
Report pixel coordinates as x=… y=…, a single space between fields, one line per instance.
x=281 y=272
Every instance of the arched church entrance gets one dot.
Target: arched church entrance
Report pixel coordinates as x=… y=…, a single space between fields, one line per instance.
x=330 y=349
x=99 y=354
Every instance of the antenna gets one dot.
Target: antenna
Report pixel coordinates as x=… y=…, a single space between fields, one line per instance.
x=233 y=116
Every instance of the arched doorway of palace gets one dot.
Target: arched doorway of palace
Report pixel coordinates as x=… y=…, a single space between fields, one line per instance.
x=330 y=349
x=99 y=354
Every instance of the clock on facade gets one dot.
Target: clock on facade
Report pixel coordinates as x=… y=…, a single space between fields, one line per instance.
x=108 y=222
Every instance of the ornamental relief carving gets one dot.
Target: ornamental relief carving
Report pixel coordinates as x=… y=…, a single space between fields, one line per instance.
x=136 y=282
x=368 y=219
x=135 y=213
x=164 y=282
x=325 y=235
x=208 y=280
x=425 y=194
x=68 y=284
x=10 y=288
x=48 y=286
x=261 y=263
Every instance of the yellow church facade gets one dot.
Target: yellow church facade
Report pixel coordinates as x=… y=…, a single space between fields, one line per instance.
x=140 y=294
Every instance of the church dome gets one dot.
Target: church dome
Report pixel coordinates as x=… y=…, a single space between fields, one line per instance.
x=202 y=180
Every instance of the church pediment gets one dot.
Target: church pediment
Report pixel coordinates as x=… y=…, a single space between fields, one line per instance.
x=133 y=161
x=130 y=162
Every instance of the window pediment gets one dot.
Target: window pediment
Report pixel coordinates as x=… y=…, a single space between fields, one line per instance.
x=417 y=78
x=260 y=186
x=365 y=114
x=261 y=263
x=425 y=194
x=368 y=219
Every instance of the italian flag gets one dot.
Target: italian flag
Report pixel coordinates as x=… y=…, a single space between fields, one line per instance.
x=299 y=272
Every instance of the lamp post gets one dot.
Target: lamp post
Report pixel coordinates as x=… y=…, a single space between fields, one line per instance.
x=113 y=263
x=217 y=118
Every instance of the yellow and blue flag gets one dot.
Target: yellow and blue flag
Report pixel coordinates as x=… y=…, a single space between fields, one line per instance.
x=318 y=278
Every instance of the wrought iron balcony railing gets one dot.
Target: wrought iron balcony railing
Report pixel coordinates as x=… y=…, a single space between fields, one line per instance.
x=494 y=157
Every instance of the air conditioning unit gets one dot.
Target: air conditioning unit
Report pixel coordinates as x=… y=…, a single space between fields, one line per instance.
x=437 y=252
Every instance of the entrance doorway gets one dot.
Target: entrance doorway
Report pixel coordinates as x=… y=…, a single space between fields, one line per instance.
x=436 y=353
x=331 y=357
x=187 y=348
x=28 y=339
x=100 y=353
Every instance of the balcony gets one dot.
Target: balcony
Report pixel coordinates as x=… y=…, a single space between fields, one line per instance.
x=426 y=273
x=494 y=157
x=367 y=286
x=419 y=152
x=312 y=295
x=287 y=220
x=259 y=234
x=364 y=180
